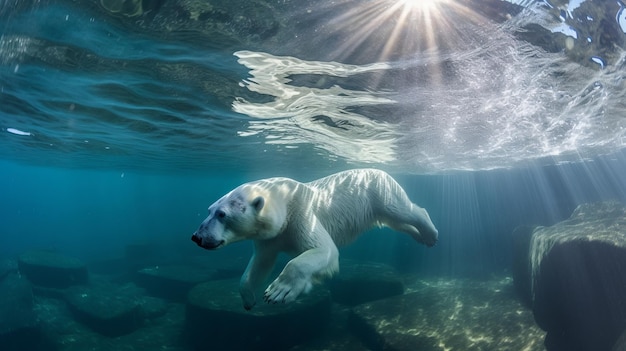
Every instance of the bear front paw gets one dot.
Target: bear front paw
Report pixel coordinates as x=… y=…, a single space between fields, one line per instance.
x=285 y=290
x=248 y=304
x=248 y=298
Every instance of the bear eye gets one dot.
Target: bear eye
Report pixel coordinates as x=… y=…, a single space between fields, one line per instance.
x=220 y=214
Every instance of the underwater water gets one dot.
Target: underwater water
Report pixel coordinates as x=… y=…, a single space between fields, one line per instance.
x=121 y=121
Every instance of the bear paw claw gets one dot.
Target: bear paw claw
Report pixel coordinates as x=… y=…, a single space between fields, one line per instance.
x=285 y=292
x=275 y=295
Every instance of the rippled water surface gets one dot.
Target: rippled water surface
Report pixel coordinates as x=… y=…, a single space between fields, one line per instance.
x=418 y=87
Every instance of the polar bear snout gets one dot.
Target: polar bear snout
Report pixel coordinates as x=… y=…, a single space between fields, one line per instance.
x=196 y=239
x=210 y=234
x=206 y=243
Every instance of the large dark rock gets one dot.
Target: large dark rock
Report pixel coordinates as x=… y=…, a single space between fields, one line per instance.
x=172 y=281
x=577 y=277
x=359 y=282
x=109 y=309
x=448 y=315
x=7 y=267
x=51 y=269
x=19 y=329
x=223 y=265
x=160 y=331
x=217 y=320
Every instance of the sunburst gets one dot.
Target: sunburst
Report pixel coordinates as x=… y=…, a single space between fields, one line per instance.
x=419 y=4
x=388 y=30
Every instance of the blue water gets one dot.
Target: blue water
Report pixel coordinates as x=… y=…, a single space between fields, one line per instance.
x=94 y=214
x=121 y=128
x=158 y=108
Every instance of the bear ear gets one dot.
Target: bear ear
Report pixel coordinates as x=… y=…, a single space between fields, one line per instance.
x=258 y=203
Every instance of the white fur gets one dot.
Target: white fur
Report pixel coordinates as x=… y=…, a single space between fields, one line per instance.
x=308 y=221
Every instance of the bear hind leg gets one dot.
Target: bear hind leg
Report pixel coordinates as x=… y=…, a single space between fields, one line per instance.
x=416 y=223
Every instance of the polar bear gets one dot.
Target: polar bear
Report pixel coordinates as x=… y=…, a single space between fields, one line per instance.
x=308 y=221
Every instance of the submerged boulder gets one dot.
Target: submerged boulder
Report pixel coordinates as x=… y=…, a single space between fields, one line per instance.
x=19 y=329
x=215 y=313
x=7 y=267
x=52 y=269
x=448 y=315
x=172 y=281
x=111 y=310
x=160 y=331
x=576 y=274
x=359 y=282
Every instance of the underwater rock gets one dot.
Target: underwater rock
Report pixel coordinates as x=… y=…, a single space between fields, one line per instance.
x=223 y=266
x=51 y=269
x=152 y=307
x=448 y=315
x=215 y=313
x=359 y=282
x=108 y=309
x=578 y=281
x=172 y=281
x=19 y=329
x=336 y=335
x=161 y=330
x=7 y=267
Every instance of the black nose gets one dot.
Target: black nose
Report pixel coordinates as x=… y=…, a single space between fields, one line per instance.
x=196 y=239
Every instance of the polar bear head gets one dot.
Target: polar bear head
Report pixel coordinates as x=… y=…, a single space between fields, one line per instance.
x=247 y=212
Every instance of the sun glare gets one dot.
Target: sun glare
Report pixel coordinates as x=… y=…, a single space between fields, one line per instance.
x=419 y=4
x=397 y=30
